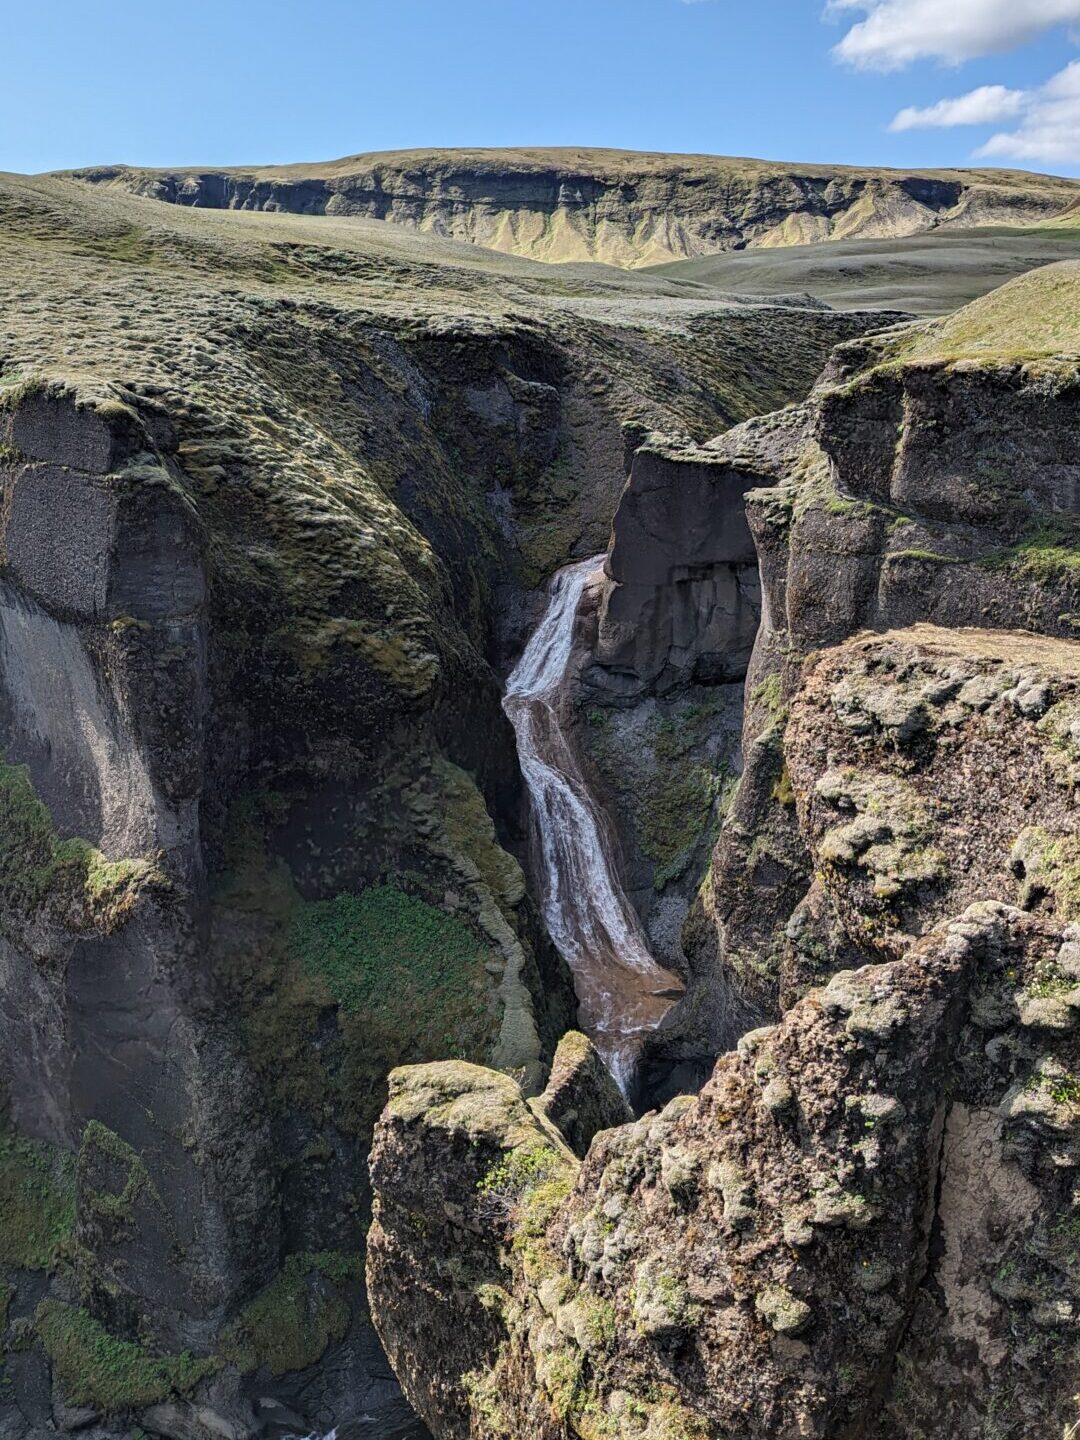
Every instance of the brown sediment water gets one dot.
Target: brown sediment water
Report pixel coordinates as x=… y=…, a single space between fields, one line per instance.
x=622 y=991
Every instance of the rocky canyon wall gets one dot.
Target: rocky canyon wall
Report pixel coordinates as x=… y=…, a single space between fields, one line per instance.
x=864 y=1224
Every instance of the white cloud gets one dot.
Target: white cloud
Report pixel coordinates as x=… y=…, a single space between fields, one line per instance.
x=978 y=107
x=897 y=32
x=1050 y=130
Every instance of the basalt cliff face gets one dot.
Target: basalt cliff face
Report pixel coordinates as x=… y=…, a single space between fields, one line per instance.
x=275 y=500
x=618 y=207
x=865 y=1223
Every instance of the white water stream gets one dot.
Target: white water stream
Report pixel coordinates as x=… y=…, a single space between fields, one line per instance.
x=622 y=991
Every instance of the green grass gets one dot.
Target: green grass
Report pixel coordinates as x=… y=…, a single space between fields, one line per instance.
x=396 y=960
x=95 y=1368
x=1048 y=553
x=37 y=1202
x=1034 y=316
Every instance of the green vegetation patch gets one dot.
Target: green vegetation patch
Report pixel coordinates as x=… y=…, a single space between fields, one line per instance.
x=290 y=1323
x=889 y=836
x=1048 y=553
x=1035 y=315
x=37 y=1202
x=676 y=812
x=102 y=1147
x=412 y=971
x=37 y=868
x=95 y=1368
x=472 y=830
x=1050 y=865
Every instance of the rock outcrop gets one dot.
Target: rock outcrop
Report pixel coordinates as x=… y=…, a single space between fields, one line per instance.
x=620 y=207
x=865 y=1222
x=931 y=477
x=681 y=602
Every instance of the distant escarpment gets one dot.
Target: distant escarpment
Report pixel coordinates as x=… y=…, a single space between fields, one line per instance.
x=619 y=207
x=273 y=512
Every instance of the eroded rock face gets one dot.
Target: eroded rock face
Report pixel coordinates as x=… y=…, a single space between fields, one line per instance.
x=681 y=600
x=863 y=1224
x=261 y=560
x=581 y=1097
x=621 y=208
x=908 y=491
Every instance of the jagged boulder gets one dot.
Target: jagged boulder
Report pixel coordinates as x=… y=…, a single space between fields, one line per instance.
x=581 y=1098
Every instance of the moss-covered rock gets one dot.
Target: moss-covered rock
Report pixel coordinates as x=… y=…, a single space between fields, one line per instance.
x=108 y=1374
x=37 y=1202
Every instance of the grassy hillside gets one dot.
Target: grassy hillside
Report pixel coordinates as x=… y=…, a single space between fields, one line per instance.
x=925 y=274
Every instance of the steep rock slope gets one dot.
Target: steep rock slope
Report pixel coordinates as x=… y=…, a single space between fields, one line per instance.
x=931 y=476
x=866 y=1221
x=618 y=207
x=267 y=485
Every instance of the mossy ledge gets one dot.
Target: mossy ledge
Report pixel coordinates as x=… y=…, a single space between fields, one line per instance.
x=93 y=1368
x=70 y=877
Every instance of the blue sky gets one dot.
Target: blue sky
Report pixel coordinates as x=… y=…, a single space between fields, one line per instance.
x=232 y=82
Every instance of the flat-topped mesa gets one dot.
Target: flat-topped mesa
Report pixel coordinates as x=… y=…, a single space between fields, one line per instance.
x=861 y=1225
x=620 y=207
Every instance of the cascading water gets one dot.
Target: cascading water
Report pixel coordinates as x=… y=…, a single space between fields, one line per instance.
x=622 y=991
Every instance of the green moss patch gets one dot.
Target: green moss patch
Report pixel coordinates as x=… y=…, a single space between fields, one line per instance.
x=290 y=1323
x=104 y=1154
x=472 y=830
x=400 y=962
x=1048 y=553
x=37 y=868
x=681 y=800
x=37 y=1202
x=95 y=1368
x=1049 y=865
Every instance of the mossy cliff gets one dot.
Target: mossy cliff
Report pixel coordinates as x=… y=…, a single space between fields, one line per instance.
x=929 y=477
x=865 y=1223
x=275 y=497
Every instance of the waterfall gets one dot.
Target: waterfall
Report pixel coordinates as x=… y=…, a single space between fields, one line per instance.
x=622 y=991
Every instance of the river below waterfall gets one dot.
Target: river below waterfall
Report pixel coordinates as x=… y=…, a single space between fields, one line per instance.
x=622 y=992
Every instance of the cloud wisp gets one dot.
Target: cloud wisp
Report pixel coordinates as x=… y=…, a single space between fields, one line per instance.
x=1049 y=119
x=896 y=33
x=984 y=106
x=1050 y=130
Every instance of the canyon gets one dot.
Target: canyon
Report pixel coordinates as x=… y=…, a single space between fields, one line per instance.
x=412 y=655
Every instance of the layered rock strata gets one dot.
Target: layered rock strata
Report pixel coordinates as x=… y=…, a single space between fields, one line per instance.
x=615 y=206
